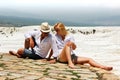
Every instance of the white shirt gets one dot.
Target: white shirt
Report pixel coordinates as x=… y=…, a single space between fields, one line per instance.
x=42 y=47
x=61 y=43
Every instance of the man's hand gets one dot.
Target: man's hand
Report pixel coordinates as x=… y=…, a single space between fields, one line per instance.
x=48 y=59
x=52 y=61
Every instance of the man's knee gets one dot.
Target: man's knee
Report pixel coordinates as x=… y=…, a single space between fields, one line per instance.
x=20 y=51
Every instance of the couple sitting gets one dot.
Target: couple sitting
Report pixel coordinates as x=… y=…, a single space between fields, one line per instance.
x=60 y=45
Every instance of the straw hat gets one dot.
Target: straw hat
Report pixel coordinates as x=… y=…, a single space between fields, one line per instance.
x=44 y=27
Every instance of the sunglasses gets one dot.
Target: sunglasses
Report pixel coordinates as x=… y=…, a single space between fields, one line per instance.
x=46 y=33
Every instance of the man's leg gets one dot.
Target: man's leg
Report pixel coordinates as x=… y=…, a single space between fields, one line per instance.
x=18 y=53
x=29 y=42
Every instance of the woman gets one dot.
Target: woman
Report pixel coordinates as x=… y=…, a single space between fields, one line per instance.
x=66 y=45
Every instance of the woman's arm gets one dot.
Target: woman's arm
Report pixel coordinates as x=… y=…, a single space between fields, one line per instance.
x=71 y=44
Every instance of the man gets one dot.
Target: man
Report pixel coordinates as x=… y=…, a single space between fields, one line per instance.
x=37 y=44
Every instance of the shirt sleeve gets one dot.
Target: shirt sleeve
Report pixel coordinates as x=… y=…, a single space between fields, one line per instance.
x=72 y=39
x=30 y=34
x=54 y=47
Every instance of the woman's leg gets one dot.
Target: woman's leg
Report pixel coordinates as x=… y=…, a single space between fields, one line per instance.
x=82 y=60
x=65 y=56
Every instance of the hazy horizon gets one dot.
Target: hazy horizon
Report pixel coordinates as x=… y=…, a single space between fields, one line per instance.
x=80 y=11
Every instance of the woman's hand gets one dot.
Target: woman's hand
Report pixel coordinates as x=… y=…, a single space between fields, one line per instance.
x=71 y=44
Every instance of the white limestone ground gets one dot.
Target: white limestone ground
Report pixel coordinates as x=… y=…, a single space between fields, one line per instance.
x=103 y=46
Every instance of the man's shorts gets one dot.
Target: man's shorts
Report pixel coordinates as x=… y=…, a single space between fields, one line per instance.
x=30 y=54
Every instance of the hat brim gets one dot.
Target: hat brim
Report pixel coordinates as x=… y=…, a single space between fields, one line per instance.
x=45 y=31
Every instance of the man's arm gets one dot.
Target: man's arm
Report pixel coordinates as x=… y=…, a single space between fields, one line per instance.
x=27 y=43
x=51 y=53
x=51 y=60
x=28 y=39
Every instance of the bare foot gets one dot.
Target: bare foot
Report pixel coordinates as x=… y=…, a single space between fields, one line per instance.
x=72 y=66
x=108 y=68
x=14 y=53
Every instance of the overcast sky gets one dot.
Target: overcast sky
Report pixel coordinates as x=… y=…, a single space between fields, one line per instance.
x=64 y=3
x=61 y=9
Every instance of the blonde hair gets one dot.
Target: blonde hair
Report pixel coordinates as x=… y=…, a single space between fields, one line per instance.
x=62 y=28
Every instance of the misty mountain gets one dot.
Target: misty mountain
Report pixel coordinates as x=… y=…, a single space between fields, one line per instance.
x=24 y=21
